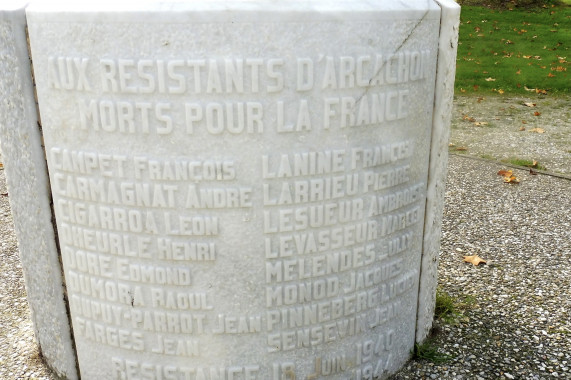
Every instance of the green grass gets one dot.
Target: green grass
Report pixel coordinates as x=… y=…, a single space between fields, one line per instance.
x=428 y=351
x=449 y=309
x=445 y=306
x=514 y=49
x=525 y=163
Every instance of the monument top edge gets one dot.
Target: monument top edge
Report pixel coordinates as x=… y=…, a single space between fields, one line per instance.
x=365 y=8
x=13 y=5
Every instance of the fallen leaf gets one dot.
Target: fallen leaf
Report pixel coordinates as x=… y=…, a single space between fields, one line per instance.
x=475 y=260
x=480 y=99
x=451 y=144
x=4 y=194
x=537 y=113
x=500 y=91
x=529 y=89
x=470 y=119
x=461 y=148
x=505 y=173
x=1 y=166
x=529 y=104
x=524 y=122
x=518 y=72
x=522 y=128
x=490 y=79
x=532 y=172
x=534 y=164
x=537 y=130
x=550 y=75
x=508 y=176
x=480 y=123
x=476 y=87
x=462 y=90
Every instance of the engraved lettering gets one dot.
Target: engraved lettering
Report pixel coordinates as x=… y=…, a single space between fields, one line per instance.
x=179 y=300
x=237 y=325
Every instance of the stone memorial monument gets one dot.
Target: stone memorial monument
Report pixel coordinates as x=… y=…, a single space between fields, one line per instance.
x=234 y=190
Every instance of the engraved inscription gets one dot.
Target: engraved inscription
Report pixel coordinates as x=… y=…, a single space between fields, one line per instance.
x=263 y=205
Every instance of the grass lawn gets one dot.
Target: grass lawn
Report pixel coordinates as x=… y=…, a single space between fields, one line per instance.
x=507 y=51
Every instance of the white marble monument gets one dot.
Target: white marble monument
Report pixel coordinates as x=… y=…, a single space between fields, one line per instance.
x=241 y=190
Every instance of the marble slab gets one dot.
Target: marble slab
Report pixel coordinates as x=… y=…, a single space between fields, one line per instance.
x=240 y=187
x=28 y=187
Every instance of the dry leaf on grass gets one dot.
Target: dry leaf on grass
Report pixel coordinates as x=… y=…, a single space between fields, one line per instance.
x=475 y=260
x=522 y=128
x=480 y=123
x=529 y=104
x=461 y=148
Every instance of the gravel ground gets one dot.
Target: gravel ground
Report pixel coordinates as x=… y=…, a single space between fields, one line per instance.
x=512 y=315
x=505 y=128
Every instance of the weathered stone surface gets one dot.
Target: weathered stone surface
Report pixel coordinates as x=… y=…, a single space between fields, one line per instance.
x=241 y=187
x=447 y=46
x=28 y=184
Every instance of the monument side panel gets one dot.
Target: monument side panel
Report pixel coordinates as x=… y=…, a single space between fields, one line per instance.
x=443 y=100
x=239 y=196
x=28 y=185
